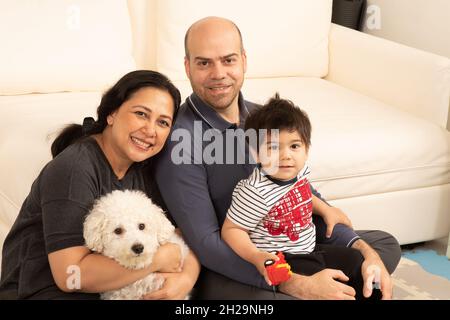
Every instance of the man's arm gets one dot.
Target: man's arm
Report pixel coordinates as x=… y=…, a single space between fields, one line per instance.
x=184 y=189
x=331 y=215
x=371 y=258
x=342 y=234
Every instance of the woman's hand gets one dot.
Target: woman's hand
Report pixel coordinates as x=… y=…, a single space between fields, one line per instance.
x=176 y=287
x=322 y=285
x=167 y=258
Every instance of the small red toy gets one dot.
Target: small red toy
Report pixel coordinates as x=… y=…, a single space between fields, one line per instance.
x=278 y=271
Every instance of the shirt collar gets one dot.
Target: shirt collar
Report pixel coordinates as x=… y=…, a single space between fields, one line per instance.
x=304 y=172
x=212 y=118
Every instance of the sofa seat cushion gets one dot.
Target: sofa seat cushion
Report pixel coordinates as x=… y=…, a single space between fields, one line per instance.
x=361 y=146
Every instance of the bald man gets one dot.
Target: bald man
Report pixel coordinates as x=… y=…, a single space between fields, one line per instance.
x=197 y=191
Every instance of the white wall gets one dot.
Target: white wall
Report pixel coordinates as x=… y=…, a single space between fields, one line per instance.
x=422 y=24
x=142 y=13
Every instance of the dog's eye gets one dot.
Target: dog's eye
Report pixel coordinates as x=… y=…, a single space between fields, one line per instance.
x=118 y=231
x=141 y=226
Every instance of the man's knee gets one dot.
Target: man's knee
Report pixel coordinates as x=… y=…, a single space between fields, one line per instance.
x=385 y=245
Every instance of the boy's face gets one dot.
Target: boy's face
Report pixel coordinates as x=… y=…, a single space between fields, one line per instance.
x=284 y=156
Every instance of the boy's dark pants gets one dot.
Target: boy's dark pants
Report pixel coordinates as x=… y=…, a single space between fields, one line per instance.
x=347 y=260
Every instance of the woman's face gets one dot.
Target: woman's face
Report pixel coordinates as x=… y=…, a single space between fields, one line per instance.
x=141 y=125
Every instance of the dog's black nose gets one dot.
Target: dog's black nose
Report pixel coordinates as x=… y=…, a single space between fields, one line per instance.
x=137 y=248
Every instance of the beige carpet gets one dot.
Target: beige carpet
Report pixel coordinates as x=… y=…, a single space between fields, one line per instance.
x=412 y=282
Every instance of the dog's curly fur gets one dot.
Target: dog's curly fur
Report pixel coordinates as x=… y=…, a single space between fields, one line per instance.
x=128 y=227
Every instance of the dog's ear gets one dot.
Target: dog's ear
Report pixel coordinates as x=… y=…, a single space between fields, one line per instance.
x=165 y=229
x=94 y=227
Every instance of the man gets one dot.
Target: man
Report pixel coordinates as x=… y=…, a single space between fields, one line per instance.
x=197 y=192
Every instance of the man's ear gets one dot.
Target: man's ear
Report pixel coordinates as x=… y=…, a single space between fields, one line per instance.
x=244 y=60
x=187 y=67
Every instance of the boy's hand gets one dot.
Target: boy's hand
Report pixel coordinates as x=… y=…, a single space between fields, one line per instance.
x=333 y=216
x=258 y=261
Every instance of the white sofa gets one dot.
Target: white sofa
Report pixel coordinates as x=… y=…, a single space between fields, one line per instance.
x=380 y=148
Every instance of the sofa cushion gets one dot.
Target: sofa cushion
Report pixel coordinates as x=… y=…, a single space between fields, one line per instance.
x=301 y=51
x=361 y=146
x=29 y=127
x=75 y=45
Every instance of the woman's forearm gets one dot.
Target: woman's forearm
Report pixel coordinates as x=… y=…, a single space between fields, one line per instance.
x=191 y=267
x=77 y=269
x=99 y=274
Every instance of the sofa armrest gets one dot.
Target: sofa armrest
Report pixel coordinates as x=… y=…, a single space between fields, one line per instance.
x=410 y=79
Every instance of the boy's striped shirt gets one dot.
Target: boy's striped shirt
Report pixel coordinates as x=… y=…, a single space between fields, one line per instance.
x=278 y=214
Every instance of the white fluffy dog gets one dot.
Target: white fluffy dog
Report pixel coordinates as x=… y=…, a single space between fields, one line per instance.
x=128 y=227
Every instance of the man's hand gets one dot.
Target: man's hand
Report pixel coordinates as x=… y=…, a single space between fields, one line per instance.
x=320 y=286
x=371 y=258
x=367 y=270
x=333 y=216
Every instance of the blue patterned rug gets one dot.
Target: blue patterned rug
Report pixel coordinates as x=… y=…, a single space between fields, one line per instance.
x=422 y=275
x=431 y=261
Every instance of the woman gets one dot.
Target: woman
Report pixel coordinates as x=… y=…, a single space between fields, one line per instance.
x=45 y=249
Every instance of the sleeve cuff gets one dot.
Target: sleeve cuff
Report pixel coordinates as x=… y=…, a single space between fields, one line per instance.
x=352 y=241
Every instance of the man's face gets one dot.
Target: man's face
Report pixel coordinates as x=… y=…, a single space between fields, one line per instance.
x=216 y=65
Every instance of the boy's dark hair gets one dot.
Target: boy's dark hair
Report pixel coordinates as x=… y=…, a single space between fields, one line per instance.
x=112 y=100
x=280 y=114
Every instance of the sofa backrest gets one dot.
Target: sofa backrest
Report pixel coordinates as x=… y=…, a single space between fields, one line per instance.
x=67 y=45
x=85 y=45
x=281 y=38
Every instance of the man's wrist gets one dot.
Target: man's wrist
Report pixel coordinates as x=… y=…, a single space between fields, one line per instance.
x=366 y=251
x=291 y=286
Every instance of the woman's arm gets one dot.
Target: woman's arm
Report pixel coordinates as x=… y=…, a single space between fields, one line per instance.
x=77 y=269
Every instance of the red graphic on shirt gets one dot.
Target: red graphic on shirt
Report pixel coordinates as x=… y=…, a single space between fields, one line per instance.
x=292 y=213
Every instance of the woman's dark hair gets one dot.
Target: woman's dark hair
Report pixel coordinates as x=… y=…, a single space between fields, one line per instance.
x=111 y=101
x=280 y=114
